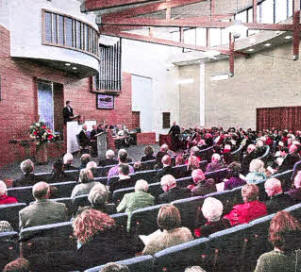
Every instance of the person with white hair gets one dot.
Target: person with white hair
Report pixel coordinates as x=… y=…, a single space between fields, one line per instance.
x=43 y=211
x=68 y=160
x=28 y=178
x=290 y=159
x=215 y=164
x=201 y=186
x=166 y=167
x=170 y=190
x=4 y=198
x=136 y=200
x=92 y=165
x=86 y=183
x=257 y=171
x=162 y=152
x=295 y=193
x=277 y=200
x=109 y=160
x=249 y=156
x=212 y=210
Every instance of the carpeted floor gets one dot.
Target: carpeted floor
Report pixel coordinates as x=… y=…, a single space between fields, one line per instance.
x=13 y=171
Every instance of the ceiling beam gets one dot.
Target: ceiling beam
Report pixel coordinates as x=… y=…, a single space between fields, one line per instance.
x=92 y=5
x=150 y=8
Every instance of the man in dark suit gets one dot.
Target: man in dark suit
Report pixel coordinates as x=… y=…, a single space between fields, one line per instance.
x=171 y=191
x=277 y=200
x=109 y=160
x=174 y=133
x=83 y=138
x=28 y=178
x=42 y=211
x=291 y=158
x=250 y=155
x=124 y=180
x=67 y=112
x=167 y=169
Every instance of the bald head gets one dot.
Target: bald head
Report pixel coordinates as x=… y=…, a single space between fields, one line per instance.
x=40 y=190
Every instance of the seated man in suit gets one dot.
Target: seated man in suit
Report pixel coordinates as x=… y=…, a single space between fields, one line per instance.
x=171 y=191
x=109 y=160
x=291 y=158
x=167 y=169
x=84 y=140
x=42 y=211
x=277 y=200
x=28 y=178
x=163 y=151
x=124 y=178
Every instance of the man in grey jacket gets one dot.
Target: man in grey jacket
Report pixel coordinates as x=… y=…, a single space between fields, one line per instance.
x=43 y=211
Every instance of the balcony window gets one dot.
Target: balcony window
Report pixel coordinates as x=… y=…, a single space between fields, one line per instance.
x=65 y=31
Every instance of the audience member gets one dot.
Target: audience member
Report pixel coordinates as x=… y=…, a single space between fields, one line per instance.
x=170 y=232
x=99 y=240
x=284 y=235
x=114 y=267
x=5 y=226
x=92 y=165
x=170 y=190
x=148 y=154
x=84 y=159
x=4 y=198
x=57 y=173
x=68 y=160
x=212 y=210
x=136 y=200
x=179 y=160
x=18 y=265
x=28 y=178
x=137 y=166
x=124 y=179
x=86 y=180
x=250 y=210
x=84 y=140
x=109 y=160
x=42 y=211
x=215 y=163
x=202 y=186
x=122 y=159
x=166 y=167
x=162 y=152
x=257 y=171
x=234 y=179
x=251 y=155
x=290 y=159
x=192 y=164
x=277 y=200
x=295 y=193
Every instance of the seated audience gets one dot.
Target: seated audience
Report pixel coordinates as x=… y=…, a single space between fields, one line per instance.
x=194 y=269
x=290 y=159
x=99 y=240
x=109 y=160
x=212 y=210
x=295 y=193
x=5 y=226
x=57 y=173
x=136 y=200
x=277 y=200
x=170 y=232
x=42 y=211
x=201 y=186
x=250 y=209
x=170 y=190
x=234 y=179
x=257 y=171
x=114 y=267
x=284 y=235
x=148 y=154
x=92 y=165
x=122 y=159
x=18 y=265
x=179 y=160
x=192 y=164
x=124 y=179
x=215 y=163
x=166 y=167
x=28 y=178
x=162 y=152
x=137 y=166
x=250 y=155
x=84 y=159
x=68 y=160
x=86 y=183
x=4 y=198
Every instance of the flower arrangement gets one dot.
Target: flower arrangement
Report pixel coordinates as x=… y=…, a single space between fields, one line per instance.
x=41 y=133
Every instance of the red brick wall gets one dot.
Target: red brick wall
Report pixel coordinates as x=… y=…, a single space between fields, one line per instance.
x=18 y=108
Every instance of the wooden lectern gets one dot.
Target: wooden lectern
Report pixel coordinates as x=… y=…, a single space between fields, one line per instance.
x=102 y=145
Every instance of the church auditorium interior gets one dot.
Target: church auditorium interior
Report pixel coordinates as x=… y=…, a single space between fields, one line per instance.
x=150 y=135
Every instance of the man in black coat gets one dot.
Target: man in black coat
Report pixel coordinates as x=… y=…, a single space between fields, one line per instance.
x=84 y=140
x=291 y=158
x=174 y=133
x=171 y=191
x=67 y=112
x=28 y=178
x=167 y=169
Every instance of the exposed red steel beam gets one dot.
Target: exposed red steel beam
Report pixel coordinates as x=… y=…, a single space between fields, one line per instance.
x=91 y=5
x=143 y=38
x=149 y=8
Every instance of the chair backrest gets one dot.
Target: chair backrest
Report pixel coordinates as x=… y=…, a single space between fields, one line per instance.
x=10 y=213
x=206 y=154
x=285 y=178
x=295 y=210
x=120 y=219
x=177 y=258
x=64 y=189
x=297 y=167
x=80 y=201
x=148 y=165
x=9 y=247
x=179 y=171
x=237 y=154
x=102 y=180
x=203 y=164
x=264 y=157
x=43 y=176
x=119 y=193
x=106 y=169
x=217 y=175
x=137 y=264
x=144 y=221
x=148 y=175
x=72 y=174
x=184 y=182
x=23 y=194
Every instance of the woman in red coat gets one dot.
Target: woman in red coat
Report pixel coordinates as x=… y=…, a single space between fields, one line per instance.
x=251 y=209
x=4 y=198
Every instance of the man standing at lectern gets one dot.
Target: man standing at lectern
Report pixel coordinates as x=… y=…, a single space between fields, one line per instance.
x=68 y=112
x=174 y=133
